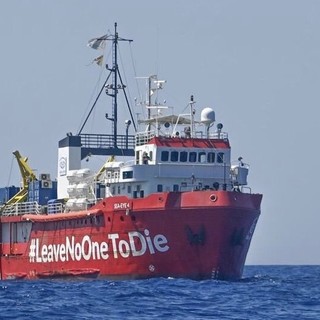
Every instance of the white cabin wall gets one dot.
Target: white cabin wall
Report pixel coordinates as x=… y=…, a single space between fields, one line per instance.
x=69 y=158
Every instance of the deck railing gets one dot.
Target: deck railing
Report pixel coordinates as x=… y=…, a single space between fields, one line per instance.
x=107 y=141
x=22 y=208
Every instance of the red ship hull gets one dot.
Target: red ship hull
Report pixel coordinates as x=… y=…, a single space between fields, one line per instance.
x=197 y=235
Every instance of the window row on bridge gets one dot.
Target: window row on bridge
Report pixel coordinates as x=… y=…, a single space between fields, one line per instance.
x=192 y=156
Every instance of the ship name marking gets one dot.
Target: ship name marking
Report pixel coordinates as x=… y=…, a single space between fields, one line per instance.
x=137 y=244
x=121 y=205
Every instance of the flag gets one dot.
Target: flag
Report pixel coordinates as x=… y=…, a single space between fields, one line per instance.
x=99 y=60
x=98 y=43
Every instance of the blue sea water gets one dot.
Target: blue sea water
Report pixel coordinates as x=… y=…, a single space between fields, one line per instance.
x=265 y=292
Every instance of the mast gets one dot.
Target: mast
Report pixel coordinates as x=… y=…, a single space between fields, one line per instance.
x=109 y=144
x=149 y=101
x=115 y=84
x=150 y=91
x=192 y=102
x=115 y=87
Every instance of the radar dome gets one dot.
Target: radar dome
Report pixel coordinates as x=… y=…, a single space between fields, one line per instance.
x=208 y=116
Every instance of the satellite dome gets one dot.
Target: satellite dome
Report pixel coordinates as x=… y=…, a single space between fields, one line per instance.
x=207 y=116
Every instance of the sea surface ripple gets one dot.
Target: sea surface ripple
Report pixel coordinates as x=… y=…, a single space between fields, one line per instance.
x=265 y=292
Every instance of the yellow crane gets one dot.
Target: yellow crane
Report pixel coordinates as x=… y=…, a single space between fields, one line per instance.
x=102 y=169
x=27 y=175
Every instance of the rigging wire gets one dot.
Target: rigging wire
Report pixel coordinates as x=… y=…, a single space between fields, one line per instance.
x=94 y=91
x=126 y=80
x=137 y=85
x=135 y=72
x=157 y=51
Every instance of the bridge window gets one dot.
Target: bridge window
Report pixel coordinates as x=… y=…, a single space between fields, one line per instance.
x=159 y=188
x=211 y=157
x=202 y=157
x=174 y=156
x=175 y=187
x=220 y=157
x=192 y=157
x=183 y=156
x=127 y=174
x=129 y=189
x=164 y=155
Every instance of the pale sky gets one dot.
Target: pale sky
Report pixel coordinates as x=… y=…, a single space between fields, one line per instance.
x=257 y=63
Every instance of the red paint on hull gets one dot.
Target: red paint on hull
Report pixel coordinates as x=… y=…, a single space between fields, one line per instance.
x=192 y=235
x=180 y=142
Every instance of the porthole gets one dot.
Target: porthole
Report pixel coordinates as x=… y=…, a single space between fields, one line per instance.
x=213 y=197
